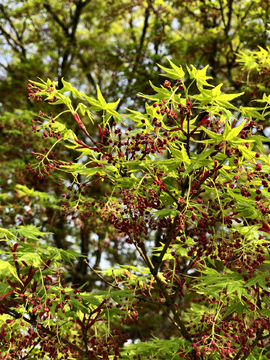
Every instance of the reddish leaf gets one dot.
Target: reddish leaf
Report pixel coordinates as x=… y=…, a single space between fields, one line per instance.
x=265 y=228
x=3 y=296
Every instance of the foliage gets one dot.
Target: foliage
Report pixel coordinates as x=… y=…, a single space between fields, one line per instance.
x=207 y=199
x=117 y=45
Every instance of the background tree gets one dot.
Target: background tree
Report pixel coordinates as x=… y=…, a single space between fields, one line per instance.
x=116 y=44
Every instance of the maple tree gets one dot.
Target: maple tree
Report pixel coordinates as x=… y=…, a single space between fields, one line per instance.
x=170 y=198
x=208 y=201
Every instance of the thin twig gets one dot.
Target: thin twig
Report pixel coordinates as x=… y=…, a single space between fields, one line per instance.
x=163 y=252
x=144 y=298
x=102 y=278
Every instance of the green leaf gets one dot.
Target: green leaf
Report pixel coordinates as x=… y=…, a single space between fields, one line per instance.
x=212 y=134
x=199 y=75
x=265 y=99
x=265 y=312
x=253 y=280
x=251 y=113
x=69 y=134
x=42 y=85
x=33 y=259
x=58 y=126
x=168 y=164
x=68 y=255
x=30 y=232
x=84 y=109
x=161 y=94
x=233 y=132
x=214 y=97
x=101 y=98
x=4 y=288
x=90 y=298
x=180 y=154
x=77 y=305
x=24 y=190
x=117 y=117
x=96 y=105
x=238 y=307
x=233 y=287
x=111 y=106
x=6 y=269
x=165 y=212
x=175 y=73
x=68 y=87
x=247 y=60
x=7 y=234
x=176 y=153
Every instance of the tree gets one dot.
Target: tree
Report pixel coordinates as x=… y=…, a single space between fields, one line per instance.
x=116 y=46
x=208 y=200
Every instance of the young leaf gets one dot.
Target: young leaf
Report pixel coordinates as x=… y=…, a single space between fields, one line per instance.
x=233 y=132
x=30 y=232
x=199 y=75
x=175 y=73
x=251 y=113
x=101 y=98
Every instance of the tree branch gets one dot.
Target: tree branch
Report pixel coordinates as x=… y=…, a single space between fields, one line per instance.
x=88 y=74
x=228 y=25
x=179 y=322
x=133 y=37
x=48 y=7
x=145 y=26
x=163 y=252
x=10 y=38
